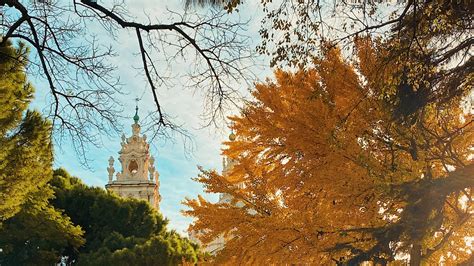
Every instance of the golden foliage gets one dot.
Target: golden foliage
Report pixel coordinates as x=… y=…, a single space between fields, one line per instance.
x=324 y=172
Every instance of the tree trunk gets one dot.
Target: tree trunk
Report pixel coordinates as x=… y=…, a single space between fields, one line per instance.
x=415 y=255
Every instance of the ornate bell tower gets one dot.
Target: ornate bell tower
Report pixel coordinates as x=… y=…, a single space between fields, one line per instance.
x=138 y=178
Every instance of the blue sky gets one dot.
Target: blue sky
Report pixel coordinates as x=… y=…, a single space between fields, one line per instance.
x=175 y=162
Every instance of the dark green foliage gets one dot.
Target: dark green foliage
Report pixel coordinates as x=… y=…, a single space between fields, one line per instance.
x=118 y=231
x=100 y=213
x=164 y=249
x=37 y=235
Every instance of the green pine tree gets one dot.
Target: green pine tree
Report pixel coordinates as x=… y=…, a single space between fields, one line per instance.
x=31 y=231
x=25 y=143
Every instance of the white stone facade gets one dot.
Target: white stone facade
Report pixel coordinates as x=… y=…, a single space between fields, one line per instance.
x=217 y=244
x=138 y=178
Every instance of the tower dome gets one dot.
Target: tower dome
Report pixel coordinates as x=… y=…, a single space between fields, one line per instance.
x=136 y=117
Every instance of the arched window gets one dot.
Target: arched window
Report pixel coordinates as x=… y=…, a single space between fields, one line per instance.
x=133 y=167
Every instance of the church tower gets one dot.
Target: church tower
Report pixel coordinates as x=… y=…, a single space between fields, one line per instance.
x=138 y=178
x=218 y=243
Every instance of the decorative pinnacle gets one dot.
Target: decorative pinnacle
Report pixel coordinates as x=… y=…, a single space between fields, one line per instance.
x=136 y=117
x=232 y=136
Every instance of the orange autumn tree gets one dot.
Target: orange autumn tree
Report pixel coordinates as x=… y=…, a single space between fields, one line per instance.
x=325 y=173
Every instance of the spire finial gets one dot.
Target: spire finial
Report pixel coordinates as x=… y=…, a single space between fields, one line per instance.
x=232 y=135
x=136 y=117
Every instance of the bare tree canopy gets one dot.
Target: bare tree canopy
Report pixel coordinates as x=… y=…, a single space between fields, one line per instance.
x=72 y=57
